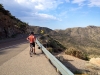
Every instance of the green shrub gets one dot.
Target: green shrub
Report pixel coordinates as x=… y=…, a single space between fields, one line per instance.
x=42 y=37
x=77 y=72
x=77 y=53
x=50 y=50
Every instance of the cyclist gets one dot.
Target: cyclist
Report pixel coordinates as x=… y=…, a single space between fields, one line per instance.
x=32 y=40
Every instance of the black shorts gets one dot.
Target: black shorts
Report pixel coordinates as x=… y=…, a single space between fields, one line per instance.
x=32 y=44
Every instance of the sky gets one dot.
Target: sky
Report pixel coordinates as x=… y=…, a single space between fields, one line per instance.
x=55 y=14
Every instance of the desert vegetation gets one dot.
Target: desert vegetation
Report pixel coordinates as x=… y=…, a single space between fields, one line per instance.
x=77 y=53
x=10 y=26
x=51 y=44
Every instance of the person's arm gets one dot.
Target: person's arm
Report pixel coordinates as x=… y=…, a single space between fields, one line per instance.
x=27 y=38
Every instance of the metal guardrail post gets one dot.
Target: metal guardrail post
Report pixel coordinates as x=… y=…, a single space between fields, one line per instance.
x=60 y=67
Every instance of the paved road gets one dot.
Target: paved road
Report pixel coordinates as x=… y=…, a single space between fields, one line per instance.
x=12 y=46
x=12 y=41
x=23 y=64
x=11 y=49
x=15 y=60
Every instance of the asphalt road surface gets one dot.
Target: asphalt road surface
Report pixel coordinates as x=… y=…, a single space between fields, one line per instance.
x=12 y=48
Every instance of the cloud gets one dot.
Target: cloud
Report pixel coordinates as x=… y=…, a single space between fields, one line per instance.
x=45 y=10
x=94 y=3
x=39 y=17
x=39 y=4
x=67 y=0
x=79 y=2
x=90 y=3
x=33 y=4
x=45 y=16
x=63 y=14
x=25 y=9
x=75 y=9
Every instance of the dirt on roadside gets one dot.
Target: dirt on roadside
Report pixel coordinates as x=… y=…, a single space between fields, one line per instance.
x=79 y=66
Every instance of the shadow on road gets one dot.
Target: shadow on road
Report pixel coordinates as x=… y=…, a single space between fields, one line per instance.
x=2 y=52
x=38 y=54
x=71 y=67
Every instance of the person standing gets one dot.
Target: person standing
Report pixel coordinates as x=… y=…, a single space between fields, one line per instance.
x=32 y=40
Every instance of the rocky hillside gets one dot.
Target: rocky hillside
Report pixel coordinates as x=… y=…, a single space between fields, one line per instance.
x=10 y=25
x=86 y=39
x=37 y=30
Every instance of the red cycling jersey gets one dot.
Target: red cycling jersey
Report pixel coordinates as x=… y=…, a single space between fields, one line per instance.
x=31 y=38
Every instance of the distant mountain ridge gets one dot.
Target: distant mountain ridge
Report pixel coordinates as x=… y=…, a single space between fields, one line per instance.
x=86 y=39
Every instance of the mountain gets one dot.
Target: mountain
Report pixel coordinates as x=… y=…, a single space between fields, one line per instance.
x=37 y=30
x=10 y=25
x=86 y=39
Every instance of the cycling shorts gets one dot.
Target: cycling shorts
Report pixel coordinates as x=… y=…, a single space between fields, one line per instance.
x=32 y=44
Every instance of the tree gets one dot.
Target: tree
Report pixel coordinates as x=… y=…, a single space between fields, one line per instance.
x=1 y=6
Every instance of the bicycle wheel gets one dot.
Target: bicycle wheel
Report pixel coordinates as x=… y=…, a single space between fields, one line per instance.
x=31 y=52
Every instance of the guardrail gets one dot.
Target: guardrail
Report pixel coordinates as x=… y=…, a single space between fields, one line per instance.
x=60 y=67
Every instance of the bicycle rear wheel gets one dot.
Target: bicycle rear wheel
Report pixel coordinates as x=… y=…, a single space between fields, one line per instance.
x=31 y=52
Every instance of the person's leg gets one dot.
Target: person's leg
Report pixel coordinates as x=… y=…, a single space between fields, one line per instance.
x=34 y=47
x=31 y=46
